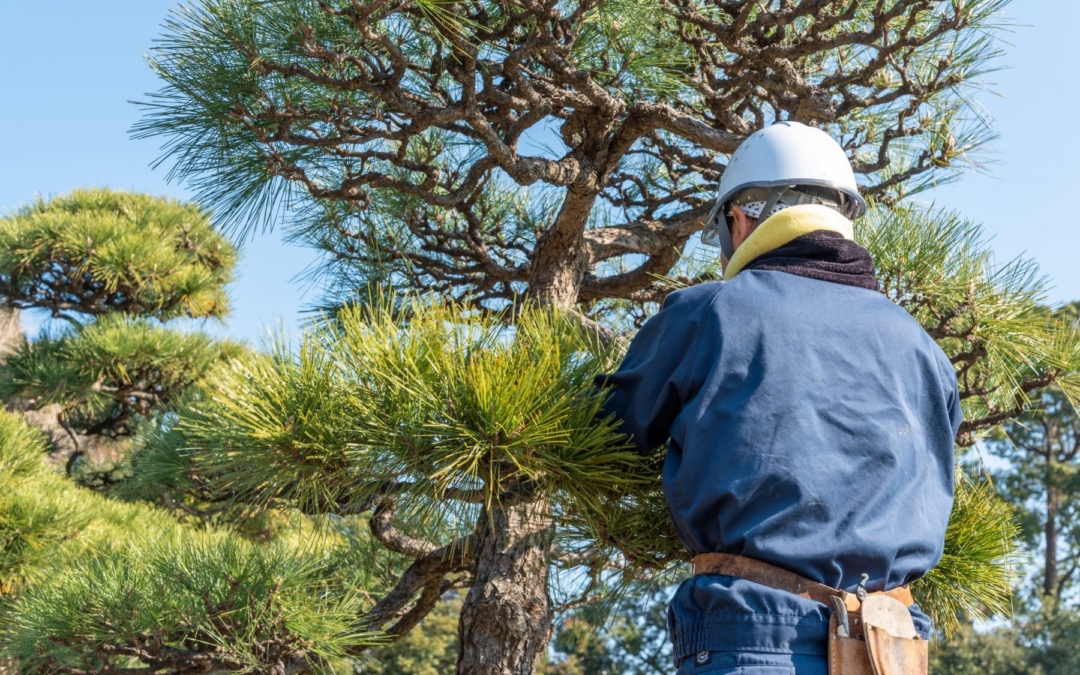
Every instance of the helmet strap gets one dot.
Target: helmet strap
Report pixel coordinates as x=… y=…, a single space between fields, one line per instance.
x=717 y=229
x=789 y=197
x=774 y=198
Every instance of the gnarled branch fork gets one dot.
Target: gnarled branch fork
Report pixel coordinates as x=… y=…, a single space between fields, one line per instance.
x=390 y=117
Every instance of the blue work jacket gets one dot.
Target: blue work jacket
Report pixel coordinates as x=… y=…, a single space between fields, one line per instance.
x=810 y=424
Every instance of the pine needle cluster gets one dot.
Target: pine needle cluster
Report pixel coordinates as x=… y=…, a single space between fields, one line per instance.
x=93 y=251
x=36 y=509
x=92 y=583
x=975 y=577
x=443 y=409
x=105 y=375
x=193 y=600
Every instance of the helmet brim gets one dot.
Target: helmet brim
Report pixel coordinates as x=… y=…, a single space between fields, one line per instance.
x=858 y=203
x=716 y=232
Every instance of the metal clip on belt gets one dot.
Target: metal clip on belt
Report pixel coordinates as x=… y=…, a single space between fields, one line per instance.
x=869 y=633
x=779 y=578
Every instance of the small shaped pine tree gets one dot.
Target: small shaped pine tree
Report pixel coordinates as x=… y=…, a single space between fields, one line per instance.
x=114 y=266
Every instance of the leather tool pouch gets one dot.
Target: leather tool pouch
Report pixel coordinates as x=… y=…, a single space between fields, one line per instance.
x=847 y=655
x=869 y=633
x=882 y=641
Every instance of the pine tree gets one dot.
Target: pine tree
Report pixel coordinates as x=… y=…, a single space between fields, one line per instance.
x=1042 y=448
x=591 y=640
x=407 y=141
x=114 y=266
x=96 y=251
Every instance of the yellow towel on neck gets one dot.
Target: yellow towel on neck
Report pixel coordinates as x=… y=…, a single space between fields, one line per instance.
x=792 y=222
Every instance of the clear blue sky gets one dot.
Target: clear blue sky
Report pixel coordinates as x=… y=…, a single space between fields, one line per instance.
x=68 y=68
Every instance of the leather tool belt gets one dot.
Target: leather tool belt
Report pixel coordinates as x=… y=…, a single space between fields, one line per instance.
x=870 y=633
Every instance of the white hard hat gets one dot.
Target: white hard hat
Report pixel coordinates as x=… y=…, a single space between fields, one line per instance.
x=780 y=156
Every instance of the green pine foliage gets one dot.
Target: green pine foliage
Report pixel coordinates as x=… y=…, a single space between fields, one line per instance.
x=46 y=521
x=99 y=583
x=448 y=406
x=975 y=577
x=94 y=251
x=244 y=606
x=37 y=511
x=1040 y=477
x=94 y=582
x=107 y=373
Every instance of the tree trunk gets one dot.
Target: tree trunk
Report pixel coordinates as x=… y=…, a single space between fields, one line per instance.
x=506 y=621
x=11 y=334
x=559 y=260
x=1050 y=577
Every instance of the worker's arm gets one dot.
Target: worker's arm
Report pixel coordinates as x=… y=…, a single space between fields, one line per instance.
x=952 y=388
x=646 y=392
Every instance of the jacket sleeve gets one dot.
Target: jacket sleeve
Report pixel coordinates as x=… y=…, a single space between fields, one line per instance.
x=646 y=391
x=951 y=389
x=956 y=413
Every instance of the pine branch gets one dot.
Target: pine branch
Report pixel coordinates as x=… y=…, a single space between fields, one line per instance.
x=402 y=136
x=91 y=252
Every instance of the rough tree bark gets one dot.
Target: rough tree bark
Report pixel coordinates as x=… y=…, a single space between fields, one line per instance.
x=1050 y=576
x=66 y=444
x=506 y=621
x=560 y=260
x=10 y=331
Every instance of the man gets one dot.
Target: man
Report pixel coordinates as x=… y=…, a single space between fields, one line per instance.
x=811 y=420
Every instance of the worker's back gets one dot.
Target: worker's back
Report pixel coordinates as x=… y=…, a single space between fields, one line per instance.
x=811 y=427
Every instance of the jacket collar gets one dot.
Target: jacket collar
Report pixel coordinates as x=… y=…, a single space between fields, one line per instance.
x=792 y=222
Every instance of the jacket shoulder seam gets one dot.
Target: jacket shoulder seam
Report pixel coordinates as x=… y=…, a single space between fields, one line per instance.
x=697 y=341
